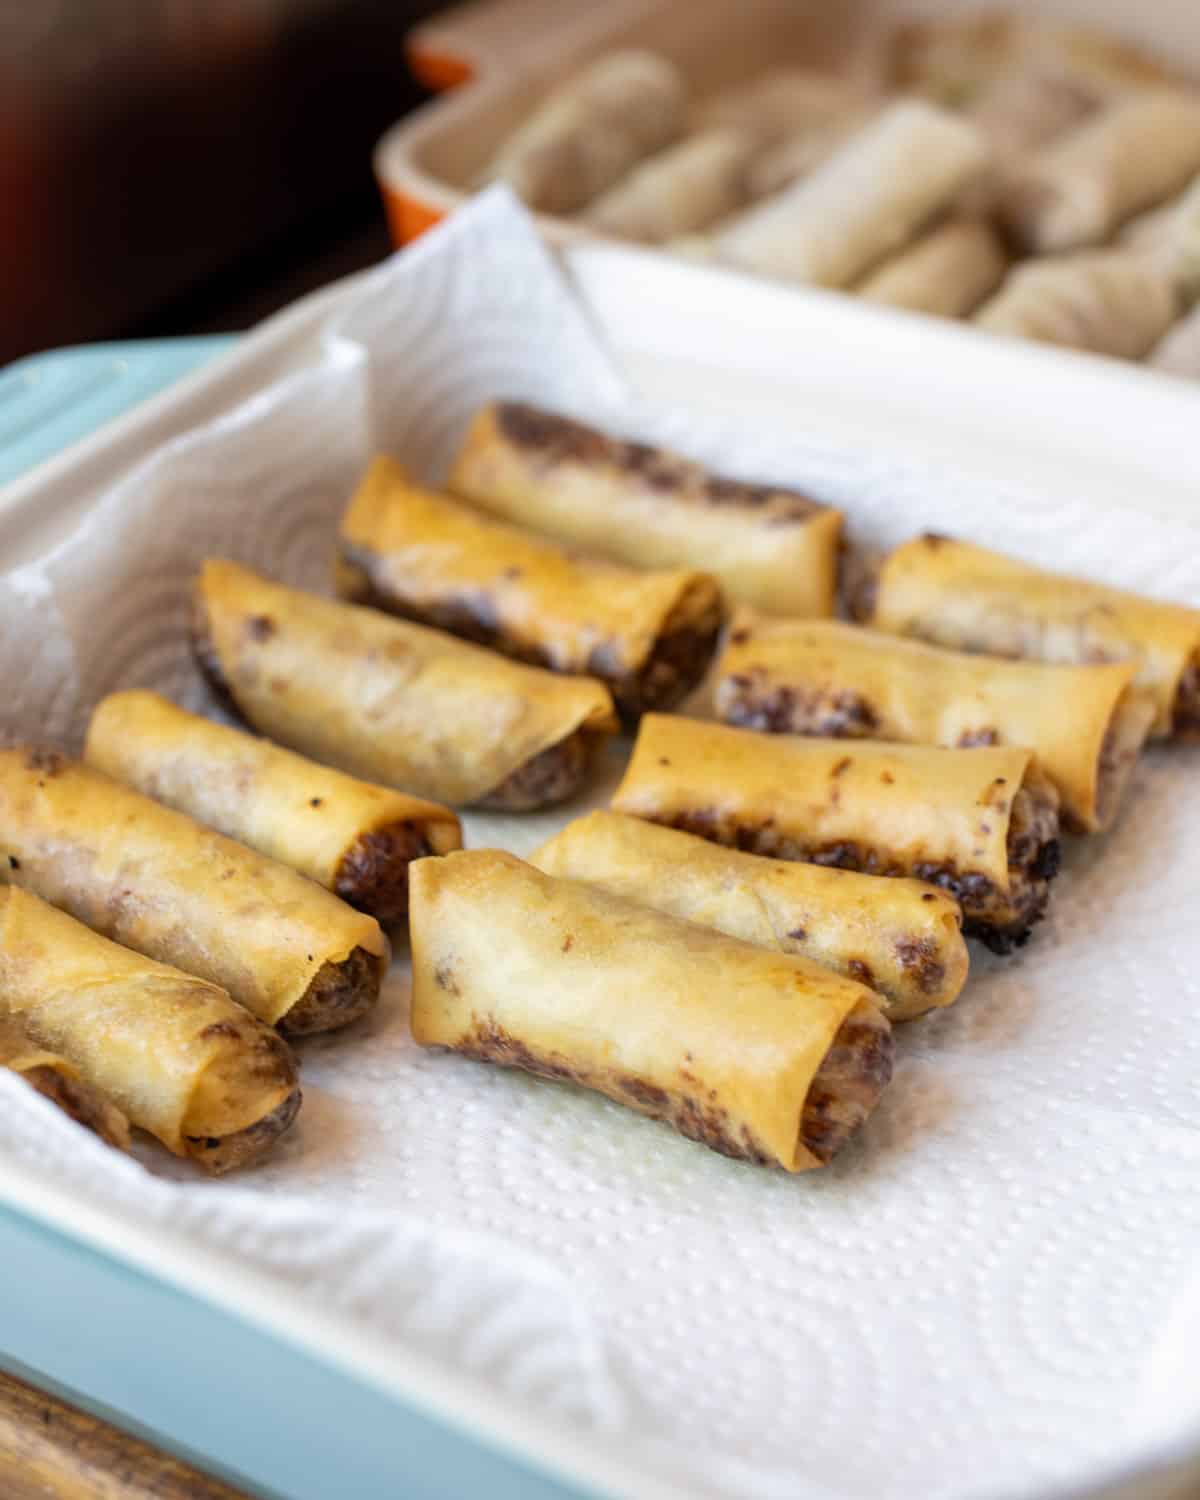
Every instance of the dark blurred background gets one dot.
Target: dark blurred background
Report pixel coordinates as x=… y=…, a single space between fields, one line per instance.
x=187 y=166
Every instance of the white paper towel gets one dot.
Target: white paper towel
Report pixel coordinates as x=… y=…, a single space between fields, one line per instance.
x=970 y=1301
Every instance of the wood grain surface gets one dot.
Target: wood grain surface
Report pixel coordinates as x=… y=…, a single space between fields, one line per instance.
x=51 y=1451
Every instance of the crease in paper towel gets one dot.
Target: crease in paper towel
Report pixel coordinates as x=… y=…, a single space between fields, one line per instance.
x=965 y=1303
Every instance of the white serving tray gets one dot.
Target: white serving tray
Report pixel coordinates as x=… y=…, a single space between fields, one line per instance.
x=1117 y=436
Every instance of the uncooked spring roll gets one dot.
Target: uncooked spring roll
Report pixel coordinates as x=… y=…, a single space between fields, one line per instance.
x=759 y=1055
x=821 y=677
x=395 y=702
x=768 y=546
x=1170 y=236
x=1019 y=112
x=174 y=1052
x=1110 y=302
x=648 y=636
x=783 y=102
x=592 y=129
x=872 y=196
x=800 y=154
x=948 y=272
x=1081 y=189
x=902 y=938
x=965 y=597
x=56 y=1079
x=682 y=190
x=166 y=886
x=1179 y=352
x=352 y=837
x=982 y=824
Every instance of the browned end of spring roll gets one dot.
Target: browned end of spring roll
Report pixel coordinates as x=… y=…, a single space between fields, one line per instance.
x=58 y=1080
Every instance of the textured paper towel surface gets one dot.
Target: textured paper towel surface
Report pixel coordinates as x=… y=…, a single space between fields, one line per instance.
x=970 y=1301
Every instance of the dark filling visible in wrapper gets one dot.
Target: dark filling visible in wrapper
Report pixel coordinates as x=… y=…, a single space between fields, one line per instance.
x=1185 y=714
x=340 y=993
x=222 y=1154
x=373 y=874
x=550 y=777
x=81 y=1103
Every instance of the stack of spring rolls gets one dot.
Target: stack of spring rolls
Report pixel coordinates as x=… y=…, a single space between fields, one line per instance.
x=1040 y=178
x=727 y=949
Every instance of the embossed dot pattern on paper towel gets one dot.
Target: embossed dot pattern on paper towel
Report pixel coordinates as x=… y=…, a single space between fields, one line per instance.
x=972 y=1292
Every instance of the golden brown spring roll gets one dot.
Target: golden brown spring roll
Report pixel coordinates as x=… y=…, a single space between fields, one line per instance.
x=592 y=129
x=1086 y=724
x=873 y=195
x=768 y=546
x=683 y=189
x=901 y=938
x=178 y=1056
x=158 y=882
x=947 y=273
x=965 y=597
x=353 y=838
x=1079 y=191
x=648 y=636
x=760 y=1055
x=1109 y=302
x=58 y=1080
x=1179 y=352
x=395 y=702
x=981 y=824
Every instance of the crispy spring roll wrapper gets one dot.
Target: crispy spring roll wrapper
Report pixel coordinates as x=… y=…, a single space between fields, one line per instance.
x=981 y=824
x=352 y=837
x=1086 y=724
x=871 y=197
x=174 y=1052
x=682 y=190
x=965 y=597
x=1081 y=189
x=759 y=1055
x=592 y=129
x=1179 y=352
x=166 y=886
x=901 y=938
x=1171 y=237
x=58 y=1080
x=1110 y=302
x=948 y=273
x=648 y=636
x=395 y=702
x=770 y=547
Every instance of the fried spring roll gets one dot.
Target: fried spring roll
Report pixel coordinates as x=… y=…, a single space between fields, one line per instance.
x=757 y=1054
x=1019 y=112
x=178 y=1056
x=682 y=190
x=982 y=824
x=58 y=1080
x=648 y=636
x=947 y=273
x=958 y=595
x=592 y=129
x=394 y=702
x=901 y=938
x=1080 y=190
x=861 y=205
x=1179 y=352
x=1086 y=724
x=1110 y=302
x=158 y=882
x=1170 y=236
x=353 y=838
x=645 y=506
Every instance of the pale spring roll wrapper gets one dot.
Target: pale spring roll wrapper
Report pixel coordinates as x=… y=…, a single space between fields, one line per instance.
x=783 y=102
x=1086 y=724
x=649 y=636
x=166 y=886
x=1081 y=189
x=759 y=1055
x=56 y=1079
x=958 y=595
x=801 y=153
x=592 y=129
x=867 y=200
x=1170 y=236
x=1113 y=302
x=354 y=838
x=1179 y=352
x=682 y=190
x=901 y=938
x=981 y=824
x=174 y=1052
x=651 y=508
x=947 y=273
x=395 y=702
x=1020 y=112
